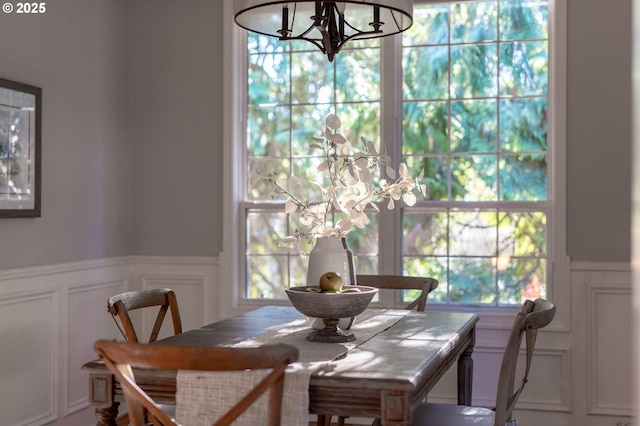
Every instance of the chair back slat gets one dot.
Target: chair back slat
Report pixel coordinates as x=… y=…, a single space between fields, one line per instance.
x=400 y=282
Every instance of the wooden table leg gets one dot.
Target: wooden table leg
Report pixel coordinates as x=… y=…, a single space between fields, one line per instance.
x=465 y=372
x=107 y=416
x=395 y=409
x=101 y=397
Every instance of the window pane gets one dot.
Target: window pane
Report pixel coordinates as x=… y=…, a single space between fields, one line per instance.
x=522 y=234
x=430 y=26
x=435 y=267
x=305 y=123
x=364 y=245
x=258 y=189
x=476 y=176
x=523 y=177
x=268 y=131
x=474 y=22
x=523 y=68
x=267 y=268
x=311 y=87
x=472 y=280
x=361 y=120
x=436 y=176
x=523 y=20
x=424 y=127
x=264 y=71
x=257 y=43
x=522 y=279
x=523 y=125
x=425 y=233
x=266 y=276
x=425 y=73
x=474 y=71
x=358 y=75
x=264 y=231
x=474 y=126
x=473 y=233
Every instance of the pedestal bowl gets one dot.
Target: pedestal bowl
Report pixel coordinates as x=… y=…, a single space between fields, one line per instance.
x=330 y=307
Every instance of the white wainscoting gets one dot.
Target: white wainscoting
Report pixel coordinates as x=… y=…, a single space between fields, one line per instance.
x=51 y=316
x=607 y=296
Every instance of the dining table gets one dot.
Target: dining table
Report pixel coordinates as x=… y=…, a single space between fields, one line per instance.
x=385 y=375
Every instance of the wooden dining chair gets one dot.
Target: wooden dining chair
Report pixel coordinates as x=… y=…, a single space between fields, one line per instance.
x=399 y=282
x=122 y=358
x=533 y=316
x=120 y=305
x=393 y=282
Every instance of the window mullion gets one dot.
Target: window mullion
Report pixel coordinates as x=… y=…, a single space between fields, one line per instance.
x=390 y=229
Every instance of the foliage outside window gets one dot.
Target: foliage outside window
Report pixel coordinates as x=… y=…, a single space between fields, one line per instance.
x=473 y=108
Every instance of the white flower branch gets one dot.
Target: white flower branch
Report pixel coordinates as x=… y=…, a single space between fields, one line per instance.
x=351 y=187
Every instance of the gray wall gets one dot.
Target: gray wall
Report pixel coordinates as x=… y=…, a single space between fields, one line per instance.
x=176 y=105
x=133 y=126
x=599 y=130
x=77 y=52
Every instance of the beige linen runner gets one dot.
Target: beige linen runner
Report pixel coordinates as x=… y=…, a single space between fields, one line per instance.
x=202 y=397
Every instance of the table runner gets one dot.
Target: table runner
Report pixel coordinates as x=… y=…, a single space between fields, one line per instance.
x=202 y=397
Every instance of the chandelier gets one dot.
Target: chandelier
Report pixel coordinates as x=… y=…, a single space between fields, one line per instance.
x=326 y=24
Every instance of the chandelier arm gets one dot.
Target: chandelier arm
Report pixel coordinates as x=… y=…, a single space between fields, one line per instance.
x=299 y=37
x=358 y=32
x=315 y=42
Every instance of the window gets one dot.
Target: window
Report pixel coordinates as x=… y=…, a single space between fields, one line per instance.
x=474 y=108
x=291 y=89
x=470 y=105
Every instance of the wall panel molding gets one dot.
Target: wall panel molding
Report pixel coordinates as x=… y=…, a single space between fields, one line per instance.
x=603 y=359
x=548 y=389
x=29 y=357
x=609 y=349
x=195 y=280
x=191 y=291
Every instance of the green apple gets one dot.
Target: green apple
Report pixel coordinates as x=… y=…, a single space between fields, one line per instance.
x=331 y=281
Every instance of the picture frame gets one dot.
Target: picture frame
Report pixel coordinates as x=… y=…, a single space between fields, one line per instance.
x=20 y=149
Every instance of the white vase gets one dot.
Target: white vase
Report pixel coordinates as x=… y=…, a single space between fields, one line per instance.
x=331 y=254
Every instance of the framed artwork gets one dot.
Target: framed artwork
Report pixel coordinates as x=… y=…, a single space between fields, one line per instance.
x=20 y=142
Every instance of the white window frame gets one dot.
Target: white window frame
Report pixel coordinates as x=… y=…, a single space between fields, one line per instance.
x=229 y=286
